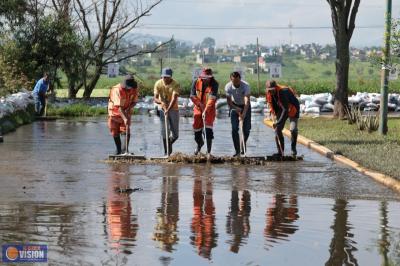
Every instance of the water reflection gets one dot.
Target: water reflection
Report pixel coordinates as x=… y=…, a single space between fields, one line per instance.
x=122 y=225
x=384 y=243
x=280 y=219
x=166 y=230
x=342 y=246
x=204 y=234
x=238 y=222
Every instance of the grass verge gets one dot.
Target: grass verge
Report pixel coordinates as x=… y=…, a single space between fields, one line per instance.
x=76 y=109
x=371 y=150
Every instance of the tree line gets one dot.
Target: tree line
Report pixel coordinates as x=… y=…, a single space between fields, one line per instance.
x=77 y=37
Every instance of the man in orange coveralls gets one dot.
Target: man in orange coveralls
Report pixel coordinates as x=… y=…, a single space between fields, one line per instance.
x=123 y=97
x=204 y=95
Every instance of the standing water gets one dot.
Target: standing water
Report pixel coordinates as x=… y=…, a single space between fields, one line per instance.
x=58 y=190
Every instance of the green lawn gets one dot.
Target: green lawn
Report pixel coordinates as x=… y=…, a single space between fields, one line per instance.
x=306 y=76
x=371 y=150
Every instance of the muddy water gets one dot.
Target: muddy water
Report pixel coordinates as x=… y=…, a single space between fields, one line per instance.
x=56 y=189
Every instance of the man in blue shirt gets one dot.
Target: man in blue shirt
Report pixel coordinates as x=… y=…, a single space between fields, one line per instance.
x=39 y=93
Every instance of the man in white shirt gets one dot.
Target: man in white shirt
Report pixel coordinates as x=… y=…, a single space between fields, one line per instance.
x=238 y=98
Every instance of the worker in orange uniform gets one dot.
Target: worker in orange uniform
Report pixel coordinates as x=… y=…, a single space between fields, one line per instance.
x=283 y=104
x=204 y=96
x=123 y=97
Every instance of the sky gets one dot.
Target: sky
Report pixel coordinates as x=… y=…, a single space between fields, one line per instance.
x=243 y=21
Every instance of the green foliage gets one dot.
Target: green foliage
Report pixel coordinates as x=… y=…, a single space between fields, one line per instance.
x=11 y=80
x=353 y=113
x=12 y=11
x=77 y=109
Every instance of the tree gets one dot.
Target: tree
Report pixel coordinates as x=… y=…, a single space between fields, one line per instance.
x=343 y=13
x=104 y=24
x=12 y=11
x=208 y=42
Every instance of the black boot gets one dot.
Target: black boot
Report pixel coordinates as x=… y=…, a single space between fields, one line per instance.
x=198 y=137
x=210 y=136
x=117 y=141
x=209 y=145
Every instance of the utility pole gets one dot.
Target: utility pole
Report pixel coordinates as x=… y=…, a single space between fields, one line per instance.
x=161 y=65
x=258 y=69
x=383 y=109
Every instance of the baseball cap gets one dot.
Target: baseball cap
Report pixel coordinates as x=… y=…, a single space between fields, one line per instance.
x=166 y=72
x=206 y=73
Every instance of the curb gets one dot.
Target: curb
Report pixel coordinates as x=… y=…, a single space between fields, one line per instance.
x=386 y=180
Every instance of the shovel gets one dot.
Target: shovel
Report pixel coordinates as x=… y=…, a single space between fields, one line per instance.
x=242 y=142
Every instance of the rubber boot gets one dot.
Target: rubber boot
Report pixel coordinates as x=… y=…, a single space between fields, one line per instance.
x=210 y=137
x=198 y=137
x=209 y=145
x=117 y=141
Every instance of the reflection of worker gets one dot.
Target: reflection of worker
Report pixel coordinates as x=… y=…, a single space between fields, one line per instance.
x=203 y=222
x=122 y=225
x=283 y=104
x=204 y=96
x=166 y=231
x=238 y=224
x=166 y=92
x=280 y=217
x=39 y=94
x=123 y=97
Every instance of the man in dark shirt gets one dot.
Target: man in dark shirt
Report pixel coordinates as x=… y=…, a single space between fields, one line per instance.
x=283 y=104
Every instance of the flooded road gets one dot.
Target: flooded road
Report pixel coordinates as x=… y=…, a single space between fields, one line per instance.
x=56 y=189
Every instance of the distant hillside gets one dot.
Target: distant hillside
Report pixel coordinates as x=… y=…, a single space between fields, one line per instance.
x=138 y=38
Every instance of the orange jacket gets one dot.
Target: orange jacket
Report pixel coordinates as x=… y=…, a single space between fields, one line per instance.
x=269 y=98
x=209 y=97
x=119 y=97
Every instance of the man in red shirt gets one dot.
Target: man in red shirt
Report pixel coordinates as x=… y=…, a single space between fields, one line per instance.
x=123 y=97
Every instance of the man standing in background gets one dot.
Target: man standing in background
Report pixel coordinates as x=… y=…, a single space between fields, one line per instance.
x=39 y=94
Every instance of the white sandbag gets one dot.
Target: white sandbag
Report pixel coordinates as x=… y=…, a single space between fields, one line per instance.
x=354 y=100
x=304 y=98
x=314 y=104
x=321 y=98
x=312 y=110
x=328 y=107
x=391 y=107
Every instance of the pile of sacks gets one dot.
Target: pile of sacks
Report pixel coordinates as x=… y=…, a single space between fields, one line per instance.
x=15 y=102
x=323 y=102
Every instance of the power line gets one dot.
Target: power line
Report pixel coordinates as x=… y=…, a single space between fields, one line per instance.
x=245 y=2
x=254 y=27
